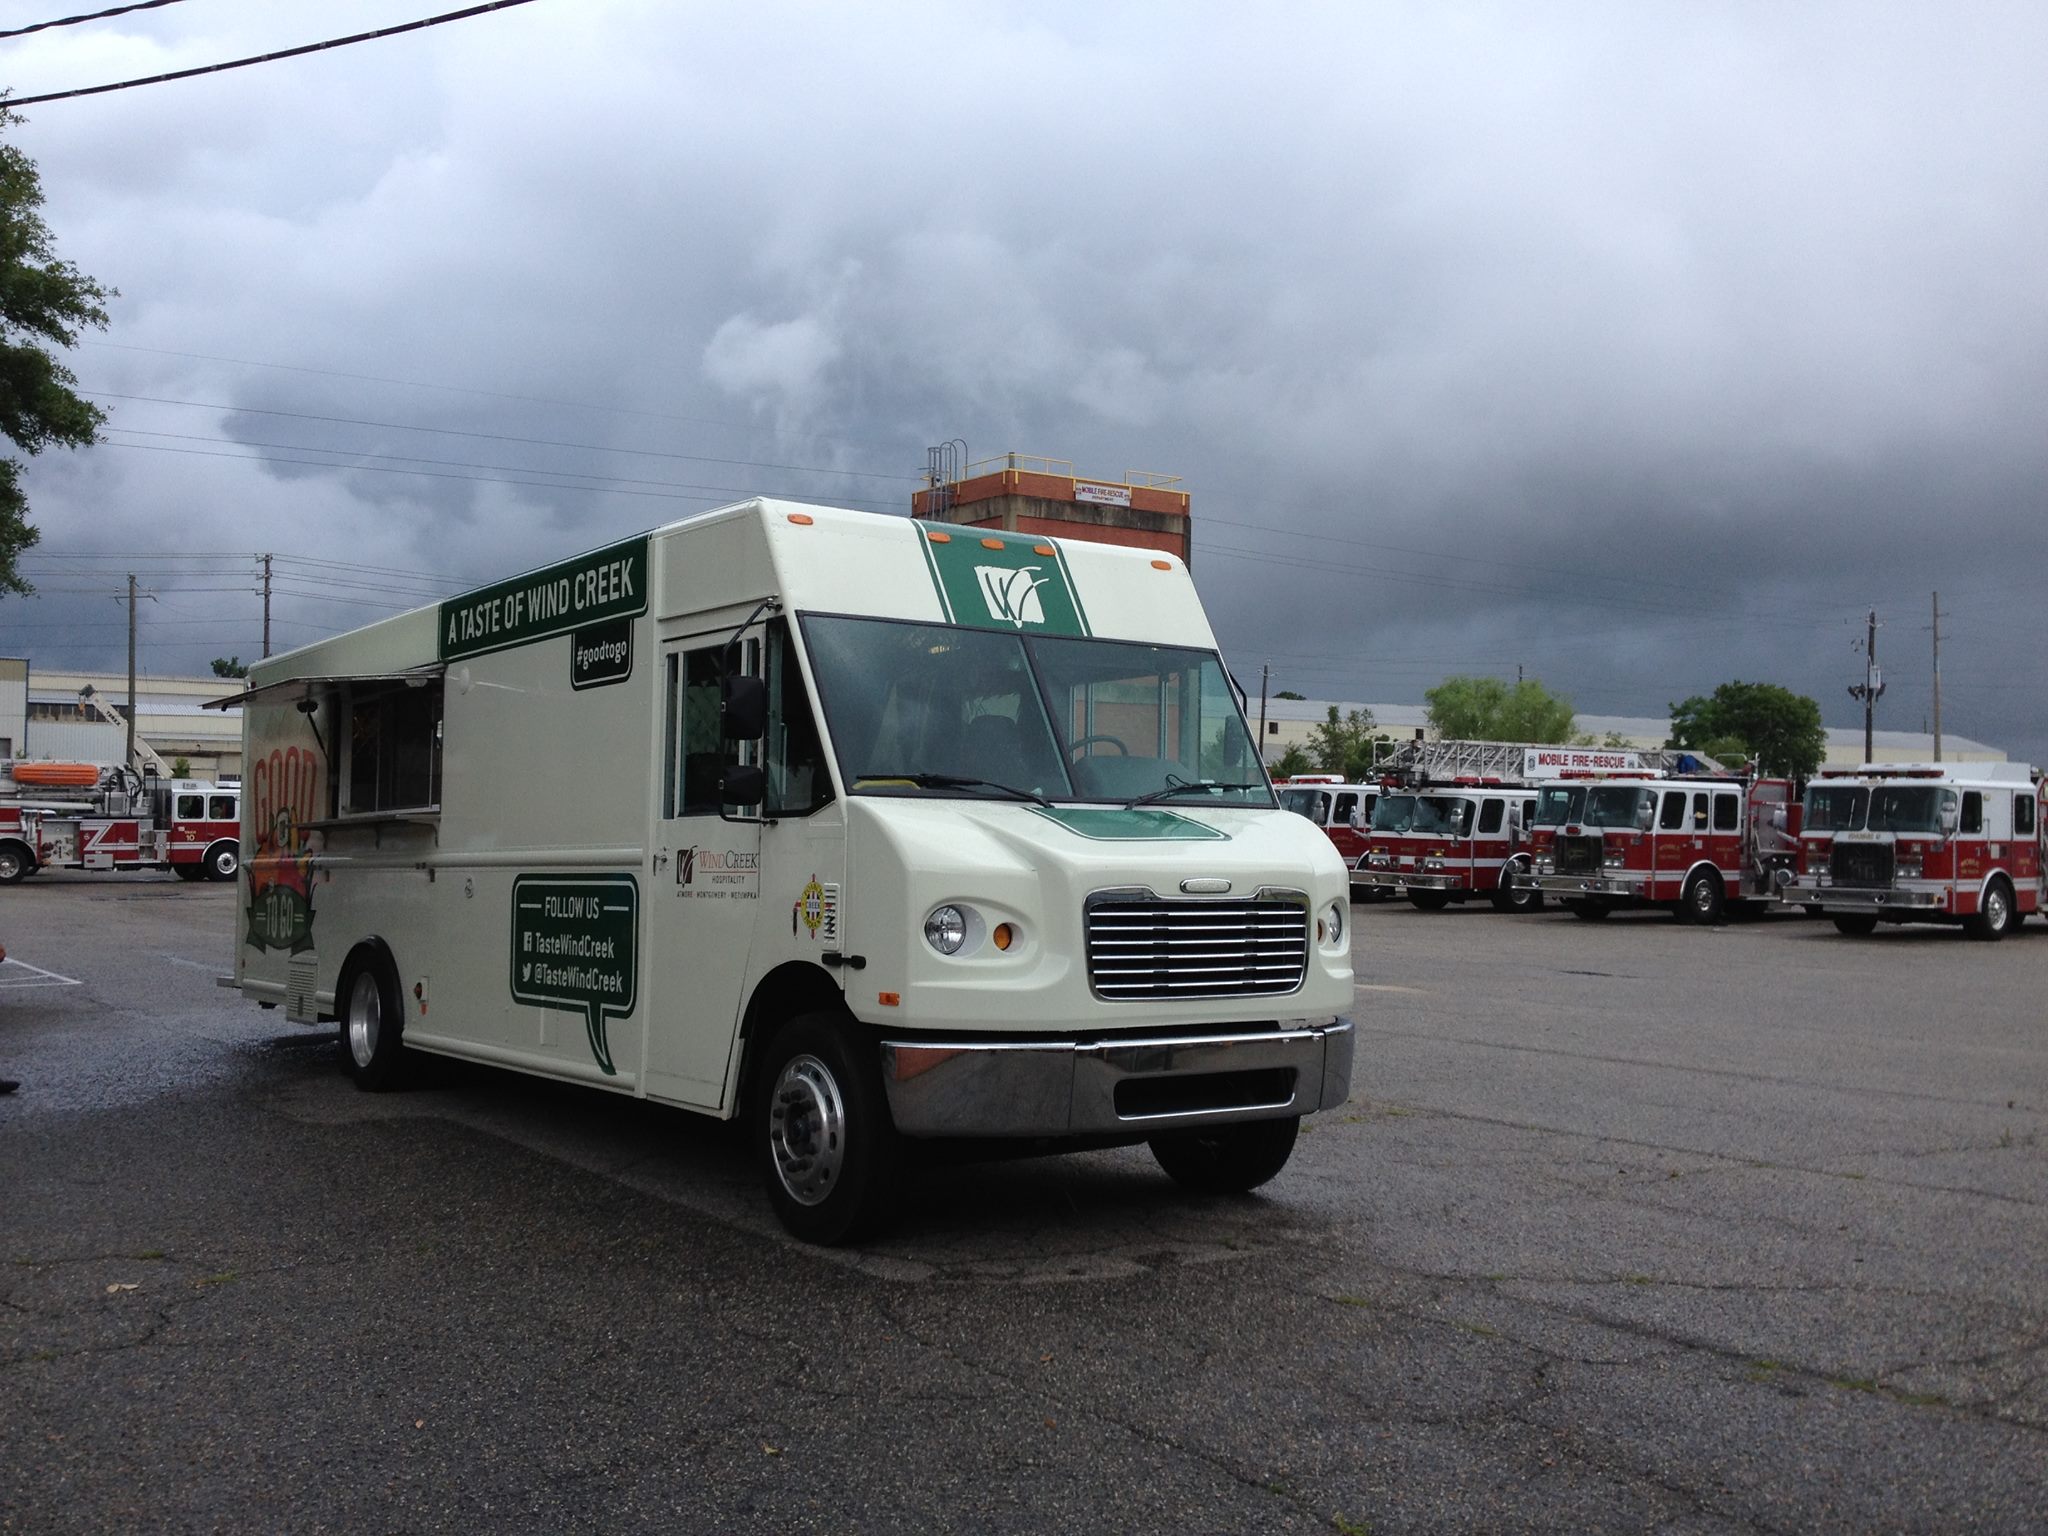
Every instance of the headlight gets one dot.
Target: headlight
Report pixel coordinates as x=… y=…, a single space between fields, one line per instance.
x=1611 y=861
x=1546 y=865
x=1330 y=924
x=946 y=929
x=1433 y=863
x=1380 y=858
x=1911 y=861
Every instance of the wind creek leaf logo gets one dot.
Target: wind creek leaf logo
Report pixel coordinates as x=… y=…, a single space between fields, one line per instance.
x=1012 y=595
x=813 y=906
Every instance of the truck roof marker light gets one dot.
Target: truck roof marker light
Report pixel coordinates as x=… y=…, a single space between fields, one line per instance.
x=1044 y=549
x=937 y=537
x=802 y=519
x=1162 y=565
x=991 y=543
x=889 y=999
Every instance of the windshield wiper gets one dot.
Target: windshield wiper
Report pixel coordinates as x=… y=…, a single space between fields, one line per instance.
x=955 y=781
x=1182 y=786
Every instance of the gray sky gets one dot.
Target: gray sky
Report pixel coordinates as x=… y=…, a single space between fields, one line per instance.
x=1644 y=347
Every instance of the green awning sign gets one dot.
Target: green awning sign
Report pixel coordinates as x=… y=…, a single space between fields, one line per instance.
x=575 y=943
x=608 y=583
x=987 y=579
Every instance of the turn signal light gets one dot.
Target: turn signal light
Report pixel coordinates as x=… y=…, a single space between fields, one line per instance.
x=1004 y=936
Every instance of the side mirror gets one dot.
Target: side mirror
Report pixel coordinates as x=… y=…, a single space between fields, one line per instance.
x=743 y=712
x=742 y=784
x=1949 y=816
x=1646 y=817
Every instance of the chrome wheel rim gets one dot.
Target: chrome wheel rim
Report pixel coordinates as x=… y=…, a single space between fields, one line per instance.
x=365 y=1019
x=225 y=864
x=1996 y=908
x=1702 y=897
x=807 y=1130
x=10 y=864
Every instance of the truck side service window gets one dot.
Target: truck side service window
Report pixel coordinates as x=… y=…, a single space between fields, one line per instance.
x=1973 y=810
x=1490 y=817
x=391 y=748
x=2023 y=815
x=1727 y=813
x=221 y=808
x=191 y=807
x=1672 y=817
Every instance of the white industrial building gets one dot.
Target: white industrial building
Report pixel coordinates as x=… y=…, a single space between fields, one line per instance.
x=64 y=715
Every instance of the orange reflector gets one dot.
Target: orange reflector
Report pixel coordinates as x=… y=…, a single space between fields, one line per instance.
x=803 y=518
x=1004 y=936
x=889 y=999
x=1162 y=565
x=1043 y=549
x=991 y=543
x=915 y=1060
x=939 y=538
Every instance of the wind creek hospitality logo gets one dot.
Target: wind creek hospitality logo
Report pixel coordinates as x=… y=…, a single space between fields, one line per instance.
x=1012 y=594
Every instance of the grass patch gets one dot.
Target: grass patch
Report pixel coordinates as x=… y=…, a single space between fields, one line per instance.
x=1762 y=1370
x=149 y=1253
x=1351 y=1301
x=225 y=1277
x=1481 y=1330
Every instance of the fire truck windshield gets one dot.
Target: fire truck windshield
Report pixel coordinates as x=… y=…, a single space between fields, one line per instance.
x=1615 y=805
x=1835 y=807
x=1906 y=808
x=1440 y=814
x=1557 y=806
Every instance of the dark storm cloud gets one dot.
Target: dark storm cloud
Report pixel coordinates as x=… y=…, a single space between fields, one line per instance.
x=1642 y=347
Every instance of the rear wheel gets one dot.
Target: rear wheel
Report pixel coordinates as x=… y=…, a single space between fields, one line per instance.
x=371 y=1020
x=1227 y=1159
x=1701 y=901
x=187 y=871
x=15 y=863
x=1993 y=919
x=1430 y=901
x=222 y=860
x=829 y=1150
x=1856 y=924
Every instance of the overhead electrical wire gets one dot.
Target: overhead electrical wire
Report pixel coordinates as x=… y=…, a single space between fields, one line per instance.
x=270 y=58
x=72 y=21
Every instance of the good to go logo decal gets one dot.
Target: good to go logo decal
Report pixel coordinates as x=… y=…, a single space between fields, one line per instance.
x=992 y=580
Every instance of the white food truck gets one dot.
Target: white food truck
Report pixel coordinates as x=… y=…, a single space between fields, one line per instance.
x=866 y=829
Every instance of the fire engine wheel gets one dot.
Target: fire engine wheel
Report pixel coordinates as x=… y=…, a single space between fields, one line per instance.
x=372 y=1020
x=222 y=860
x=1856 y=924
x=15 y=863
x=829 y=1150
x=1508 y=897
x=1993 y=919
x=1701 y=900
x=1588 y=909
x=1227 y=1159
x=1430 y=901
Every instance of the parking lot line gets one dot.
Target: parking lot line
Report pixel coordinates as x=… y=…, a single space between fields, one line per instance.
x=37 y=977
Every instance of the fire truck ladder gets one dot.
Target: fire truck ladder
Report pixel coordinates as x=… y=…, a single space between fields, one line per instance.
x=90 y=698
x=1418 y=762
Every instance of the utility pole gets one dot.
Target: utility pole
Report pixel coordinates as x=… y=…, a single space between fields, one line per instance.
x=131 y=671
x=1937 y=677
x=1871 y=689
x=1265 y=668
x=266 y=605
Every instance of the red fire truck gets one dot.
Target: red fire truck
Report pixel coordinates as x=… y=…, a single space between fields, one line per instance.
x=204 y=822
x=75 y=816
x=1341 y=809
x=1698 y=843
x=1449 y=842
x=1960 y=843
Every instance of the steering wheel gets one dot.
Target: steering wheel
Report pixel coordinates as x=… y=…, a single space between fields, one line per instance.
x=1074 y=747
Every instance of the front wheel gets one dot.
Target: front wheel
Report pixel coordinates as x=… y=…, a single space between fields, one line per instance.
x=1589 y=910
x=829 y=1150
x=1856 y=924
x=1993 y=919
x=1430 y=901
x=1509 y=897
x=1227 y=1159
x=1701 y=900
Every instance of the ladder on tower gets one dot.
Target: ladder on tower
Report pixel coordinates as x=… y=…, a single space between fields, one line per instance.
x=1423 y=762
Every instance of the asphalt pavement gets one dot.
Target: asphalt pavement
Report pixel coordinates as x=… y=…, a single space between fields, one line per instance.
x=1628 y=1227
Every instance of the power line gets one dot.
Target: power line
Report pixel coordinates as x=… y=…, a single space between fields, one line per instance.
x=271 y=58
x=72 y=21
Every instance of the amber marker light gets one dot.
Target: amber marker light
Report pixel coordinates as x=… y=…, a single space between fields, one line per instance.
x=1004 y=936
x=889 y=999
x=1162 y=565
x=937 y=537
x=802 y=519
x=1043 y=549
x=991 y=543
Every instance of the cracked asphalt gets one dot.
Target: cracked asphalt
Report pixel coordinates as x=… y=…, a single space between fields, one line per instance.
x=1628 y=1227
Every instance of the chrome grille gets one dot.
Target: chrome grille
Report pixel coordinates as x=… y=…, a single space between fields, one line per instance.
x=1142 y=947
x=1868 y=865
x=1578 y=855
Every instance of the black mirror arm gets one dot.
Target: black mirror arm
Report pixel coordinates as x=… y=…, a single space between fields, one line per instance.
x=726 y=652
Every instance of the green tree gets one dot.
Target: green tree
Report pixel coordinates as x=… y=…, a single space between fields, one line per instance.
x=1487 y=709
x=44 y=303
x=230 y=666
x=1778 y=728
x=1291 y=762
x=1338 y=744
x=1289 y=693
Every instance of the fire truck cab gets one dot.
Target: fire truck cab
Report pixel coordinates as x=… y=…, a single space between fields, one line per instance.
x=1444 y=843
x=203 y=822
x=1694 y=844
x=1924 y=843
x=1341 y=809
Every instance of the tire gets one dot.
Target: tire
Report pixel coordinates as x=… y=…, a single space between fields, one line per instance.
x=1227 y=1159
x=222 y=860
x=370 y=1020
x=1993 y=919
x=188 y=871
x=16 y=863
x=1510 y=898
x=1701 y=901
x=1856 y=924
x=1591 y=910
x=1429 y=901
x=829 y=1151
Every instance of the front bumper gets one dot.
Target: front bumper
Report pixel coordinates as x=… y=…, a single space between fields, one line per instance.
x=1407 y=880
x=1138 y=1085
x=1852 y=898
x=1582 y=885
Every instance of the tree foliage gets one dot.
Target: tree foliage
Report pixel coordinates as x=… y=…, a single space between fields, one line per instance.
x=1289 y=693
x=1291 y=762
x=1778 y=728
x=1345 y=745
x=44 y=304
x=230 y=666
x=1487 y=709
